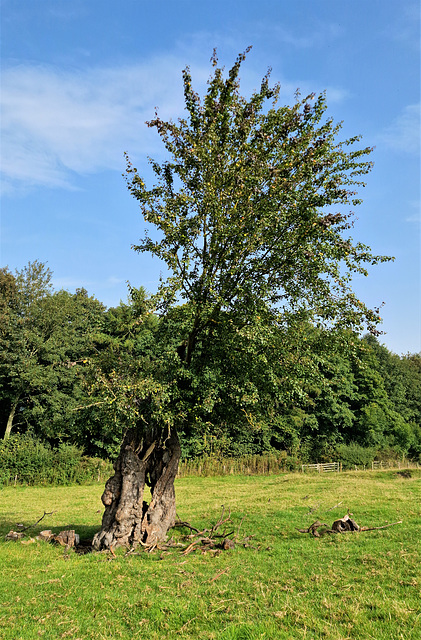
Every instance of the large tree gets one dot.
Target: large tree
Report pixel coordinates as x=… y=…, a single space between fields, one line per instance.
x=250 y=214
x=44 y=338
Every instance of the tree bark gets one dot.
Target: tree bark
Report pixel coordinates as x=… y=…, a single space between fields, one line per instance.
x=145 y=459
x=10 y=419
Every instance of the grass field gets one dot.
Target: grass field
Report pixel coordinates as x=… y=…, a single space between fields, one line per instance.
x=286 y=585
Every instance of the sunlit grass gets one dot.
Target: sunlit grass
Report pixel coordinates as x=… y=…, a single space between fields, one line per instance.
x=286 y=585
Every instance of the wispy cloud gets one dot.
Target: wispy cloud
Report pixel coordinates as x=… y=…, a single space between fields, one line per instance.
x=403 y=134
x=318 y=35
x=56 y=123
x=415 y=206
x=406 y=31
x=69 y=283
x=114 y=280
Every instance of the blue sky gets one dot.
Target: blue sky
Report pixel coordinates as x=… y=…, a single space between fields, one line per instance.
x=80 y=78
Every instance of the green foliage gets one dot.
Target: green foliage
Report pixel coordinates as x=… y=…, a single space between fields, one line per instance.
x=45 y=340
x=207 y=466
x=120 y=382
x=242 y=206
x=84 y=374
x=355 y=455
x=256 y=348
x=24 y=459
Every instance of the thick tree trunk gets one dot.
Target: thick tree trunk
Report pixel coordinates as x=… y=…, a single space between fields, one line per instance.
x=128 y=520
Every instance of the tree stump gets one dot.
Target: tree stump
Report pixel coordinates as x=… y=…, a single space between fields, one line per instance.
x=345 y=524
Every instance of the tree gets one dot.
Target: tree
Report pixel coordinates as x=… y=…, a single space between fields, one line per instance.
x=44 y=338
x=20 y=300
x=251 y=216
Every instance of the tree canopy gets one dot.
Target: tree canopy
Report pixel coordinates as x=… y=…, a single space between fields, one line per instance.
x=252 y=208
x=44 y=335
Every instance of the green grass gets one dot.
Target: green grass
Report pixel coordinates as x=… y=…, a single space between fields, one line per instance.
x=290 y=585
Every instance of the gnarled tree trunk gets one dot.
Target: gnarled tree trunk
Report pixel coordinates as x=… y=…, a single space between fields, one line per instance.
x=151 y=459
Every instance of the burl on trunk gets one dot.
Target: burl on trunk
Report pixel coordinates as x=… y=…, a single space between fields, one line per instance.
x=148 y=458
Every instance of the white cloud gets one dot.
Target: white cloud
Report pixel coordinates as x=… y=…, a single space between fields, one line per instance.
x=59 y=123
x=114 y=280
x=55 y=123
x=403 y=134
x=69 y=283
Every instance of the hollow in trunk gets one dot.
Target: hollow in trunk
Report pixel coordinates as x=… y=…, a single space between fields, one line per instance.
x=145 y=459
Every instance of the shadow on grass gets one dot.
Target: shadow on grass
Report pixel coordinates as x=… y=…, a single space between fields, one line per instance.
x=85 y=532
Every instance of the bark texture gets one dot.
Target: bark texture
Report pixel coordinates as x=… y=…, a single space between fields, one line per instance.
x=10 y=419
x=128 y=520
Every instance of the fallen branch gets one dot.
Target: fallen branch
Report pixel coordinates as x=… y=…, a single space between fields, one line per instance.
x=342 y=525
x=221 y=520
x=332 y=508
x=181 y=523
x=210 y=539
x=50 y=513
x=313 y=528
x=385 y=526
x=17 y=535
x=313 y=509
x=219 y=574
x=345 y=524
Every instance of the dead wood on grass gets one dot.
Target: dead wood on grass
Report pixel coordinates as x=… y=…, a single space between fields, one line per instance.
x=343 y=525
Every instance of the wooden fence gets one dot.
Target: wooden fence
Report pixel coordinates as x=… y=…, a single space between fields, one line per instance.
x=273 y=464
x=376 y=464
x=322 y=467
x=405 y=464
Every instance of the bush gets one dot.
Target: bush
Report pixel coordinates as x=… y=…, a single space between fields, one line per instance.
x=354 y=454
x=26 y=460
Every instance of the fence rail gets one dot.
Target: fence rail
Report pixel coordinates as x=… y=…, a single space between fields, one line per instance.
x=376 y=464
x=272 y=464
x=322 y=467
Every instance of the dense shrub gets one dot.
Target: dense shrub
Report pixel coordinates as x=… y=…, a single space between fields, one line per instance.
x=26 y=460
x=353 y=454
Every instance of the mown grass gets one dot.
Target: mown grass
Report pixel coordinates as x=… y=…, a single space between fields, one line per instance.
x=287 y=585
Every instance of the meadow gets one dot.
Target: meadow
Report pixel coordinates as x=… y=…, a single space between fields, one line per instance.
x=281 y=585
